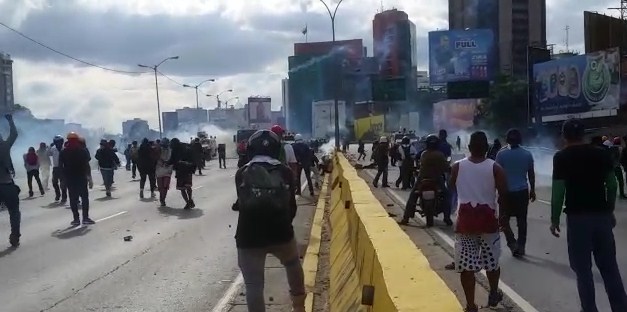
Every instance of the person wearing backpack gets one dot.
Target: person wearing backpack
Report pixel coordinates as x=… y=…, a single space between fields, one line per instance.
x=31 y=164
x=266 y=194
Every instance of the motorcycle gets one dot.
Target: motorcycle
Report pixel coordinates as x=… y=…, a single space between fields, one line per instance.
x=431 y=197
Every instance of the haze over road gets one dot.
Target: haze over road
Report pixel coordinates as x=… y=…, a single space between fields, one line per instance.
x=178 y=260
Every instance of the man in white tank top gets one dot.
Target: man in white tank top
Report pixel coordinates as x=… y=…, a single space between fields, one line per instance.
x=478 y=240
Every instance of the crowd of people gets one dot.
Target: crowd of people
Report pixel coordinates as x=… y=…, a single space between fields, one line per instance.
x=495 y=183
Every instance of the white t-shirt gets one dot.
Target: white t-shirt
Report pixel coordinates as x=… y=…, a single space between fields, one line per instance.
x=290 y=157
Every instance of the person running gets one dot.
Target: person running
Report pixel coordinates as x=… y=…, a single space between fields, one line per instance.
x=44 y=164
x=382 y=160
x=9 y=192
x=31 y=164
x=361 y=149
x=74 y=161
x=583 y=175
x=477 y=239
x=519 y=169
x=164 y=171
x=107 y=162
x=222 y=155
x=58 y=179
x=265 y=218
x=147 y=165
x=182 y=161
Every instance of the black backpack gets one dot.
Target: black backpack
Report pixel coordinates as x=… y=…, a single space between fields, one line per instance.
x=263 y=189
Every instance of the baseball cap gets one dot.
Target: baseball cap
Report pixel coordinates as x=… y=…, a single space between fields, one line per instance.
x=573 y=129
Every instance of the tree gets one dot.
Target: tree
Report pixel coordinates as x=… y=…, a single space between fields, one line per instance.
x=506 y=107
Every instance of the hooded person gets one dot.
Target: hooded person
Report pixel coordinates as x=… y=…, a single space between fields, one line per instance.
x=31 y=164
x=43 y=153
x=58 y=179
x=74 y=161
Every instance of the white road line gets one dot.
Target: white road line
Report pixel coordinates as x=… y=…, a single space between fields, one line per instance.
x=225 y=302
x=197 y=187
x=512 y=294
x=112 y=216
x=543 y=201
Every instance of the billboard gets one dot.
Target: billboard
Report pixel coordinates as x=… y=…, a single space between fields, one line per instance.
x=581 y=86
x=260 y=111
x=455 y=115
x=603 y=32
x=461 y=55
x=369 y=128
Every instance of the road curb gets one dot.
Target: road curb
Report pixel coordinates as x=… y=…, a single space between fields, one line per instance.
x=310 y=263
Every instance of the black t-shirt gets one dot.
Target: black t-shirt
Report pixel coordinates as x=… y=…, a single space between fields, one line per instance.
x=584 y=169
x=75 y=162
x=257 y=229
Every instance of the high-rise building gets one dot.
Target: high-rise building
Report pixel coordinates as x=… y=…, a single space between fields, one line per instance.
x=170 y=121
x=6 y=83
x=315 y=73
x=285 y=96
x=135 y=129
x=191 y=115
x=516 y=24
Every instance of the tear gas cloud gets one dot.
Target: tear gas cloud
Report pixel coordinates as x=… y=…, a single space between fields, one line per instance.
x=223 y=136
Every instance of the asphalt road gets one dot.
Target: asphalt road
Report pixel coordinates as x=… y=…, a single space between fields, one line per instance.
x=543 y=280
x=177 y=260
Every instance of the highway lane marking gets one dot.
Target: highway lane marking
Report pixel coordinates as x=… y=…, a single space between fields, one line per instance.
x=225 y=302
x=523 y=304
x=197 y=187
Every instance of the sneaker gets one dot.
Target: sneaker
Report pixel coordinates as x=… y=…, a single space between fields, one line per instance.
x=88 y=221
x=63 y=201
x=471 y=309
x=14 y=240
x=448 y=222
x=495 y=298
x=108 y=193
x=192 y=204
x=141 y=194
x=57 y=198
x=163 y=203
x=76 y=222
x=42 y=192
x=31 y=194
x=187 y=206
x=153 y=195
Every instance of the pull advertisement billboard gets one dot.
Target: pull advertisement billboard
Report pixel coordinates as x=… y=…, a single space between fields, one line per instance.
x=582 y=86
x=461 y=55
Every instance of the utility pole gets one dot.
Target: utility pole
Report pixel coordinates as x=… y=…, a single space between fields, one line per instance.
x=567 y=29
x=622 y=9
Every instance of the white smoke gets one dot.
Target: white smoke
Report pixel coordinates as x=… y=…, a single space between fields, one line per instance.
x=328 y=148
x=223 y=136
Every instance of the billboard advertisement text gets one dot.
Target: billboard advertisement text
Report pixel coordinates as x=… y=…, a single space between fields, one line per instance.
x=369 y=128
x=455 y=115
x=259 y=111
x=581 y=86
x=461 y=55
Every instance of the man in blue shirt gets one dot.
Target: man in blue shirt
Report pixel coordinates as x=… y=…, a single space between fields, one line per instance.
x=518 y=165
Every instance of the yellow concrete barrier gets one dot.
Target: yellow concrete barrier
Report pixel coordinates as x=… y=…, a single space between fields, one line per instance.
x=374 y=265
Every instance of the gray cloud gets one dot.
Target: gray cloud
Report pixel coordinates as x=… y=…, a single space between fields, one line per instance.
x=207 y=44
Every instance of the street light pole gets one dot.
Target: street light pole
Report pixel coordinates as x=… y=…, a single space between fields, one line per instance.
x=154 y=68
x=196 y=87
x=218 y=96
x=335 y=87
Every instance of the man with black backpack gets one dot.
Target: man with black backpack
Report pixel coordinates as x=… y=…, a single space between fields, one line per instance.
x=267 y=205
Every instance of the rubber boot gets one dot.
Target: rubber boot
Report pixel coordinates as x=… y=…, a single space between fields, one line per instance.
x=298 y=303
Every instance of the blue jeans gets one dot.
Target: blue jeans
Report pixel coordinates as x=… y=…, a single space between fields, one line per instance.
x=592 y=235
x=107 y=177
x=9 y=195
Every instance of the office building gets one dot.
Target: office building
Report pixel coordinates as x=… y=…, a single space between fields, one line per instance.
x=6 y=83
x=191 y=115
x=516 y=25
x=170 y=121
x=135 y=129
x=315 y=73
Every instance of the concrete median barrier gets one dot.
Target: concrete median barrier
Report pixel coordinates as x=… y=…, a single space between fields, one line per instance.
x=374 y=265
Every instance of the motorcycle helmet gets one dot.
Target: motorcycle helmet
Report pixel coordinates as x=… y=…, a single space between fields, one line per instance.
x=72 y=136
x=103 y=142
x=165 y=142
x=298 y=137
x=264 y=143
x=278 y=130
x=432 y=141
x=383 y=139
x=57 y=138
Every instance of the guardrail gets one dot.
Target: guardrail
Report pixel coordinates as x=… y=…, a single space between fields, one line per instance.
x=374 y=264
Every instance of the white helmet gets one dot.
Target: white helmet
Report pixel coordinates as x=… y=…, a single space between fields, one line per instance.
x=298 y=137
x=383 y=139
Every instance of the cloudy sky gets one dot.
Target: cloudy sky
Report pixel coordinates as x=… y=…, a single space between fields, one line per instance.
x=243 y=44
